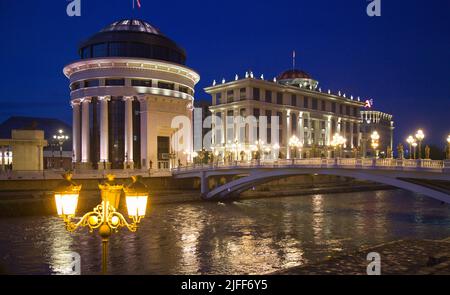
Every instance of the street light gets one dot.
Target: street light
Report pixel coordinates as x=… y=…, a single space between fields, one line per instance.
x=414 y=145
x=60 y=138
x=295 y=143
x=104 y=216
x=338 y=141
x=420 y=136
x=375 y=142
x=410 y=140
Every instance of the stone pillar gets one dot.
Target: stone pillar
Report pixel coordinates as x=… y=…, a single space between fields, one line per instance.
x=204 y=185
x=328 y=130
x=85 y=134
x=104 y=134
x=301 y=130
x=144 y=133
x=287 y=126
x=351 y=135
x=76 y=142
x=129 y=163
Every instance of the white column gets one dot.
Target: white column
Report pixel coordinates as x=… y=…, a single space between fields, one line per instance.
x=85 y=131
x=104 y=133
x=301 y=130
x=287 y=126
x=76 y=131
x=351 y=135
x=128 y=132
x=328 y=134
x=144 y=133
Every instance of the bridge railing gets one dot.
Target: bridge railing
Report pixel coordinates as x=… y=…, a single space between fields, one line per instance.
x=360 y=163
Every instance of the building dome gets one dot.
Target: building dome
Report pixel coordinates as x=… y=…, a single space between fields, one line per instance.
x=297 y=78
x=293 y=74
x=132 y=38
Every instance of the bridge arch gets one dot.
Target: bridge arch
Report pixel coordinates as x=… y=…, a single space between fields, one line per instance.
x=261 y=176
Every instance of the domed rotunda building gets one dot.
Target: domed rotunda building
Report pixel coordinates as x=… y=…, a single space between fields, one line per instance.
x=128 y=85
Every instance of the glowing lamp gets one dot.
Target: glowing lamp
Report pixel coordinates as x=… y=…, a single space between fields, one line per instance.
x=420 y=135
x=136 y=197
x=66 y=196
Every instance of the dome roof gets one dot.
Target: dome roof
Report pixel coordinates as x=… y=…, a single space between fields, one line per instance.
x=133 y=25
x=293 y=74
x=132 y=38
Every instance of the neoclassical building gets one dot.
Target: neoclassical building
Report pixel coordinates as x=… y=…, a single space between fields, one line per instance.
x=127 y=86
x=313 y=116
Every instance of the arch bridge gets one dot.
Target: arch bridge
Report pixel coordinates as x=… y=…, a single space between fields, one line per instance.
x=419 y=176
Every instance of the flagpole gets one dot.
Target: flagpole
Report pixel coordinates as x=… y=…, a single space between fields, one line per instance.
x=293 y=60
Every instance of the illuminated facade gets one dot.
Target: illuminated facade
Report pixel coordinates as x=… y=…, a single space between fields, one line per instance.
x=383 y=124
x=128 y=85
x=304 y=112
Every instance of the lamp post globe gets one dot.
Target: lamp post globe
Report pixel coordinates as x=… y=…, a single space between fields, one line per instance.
x=410 y=140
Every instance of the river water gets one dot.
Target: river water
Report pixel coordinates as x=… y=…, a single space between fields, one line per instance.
x=244 y=237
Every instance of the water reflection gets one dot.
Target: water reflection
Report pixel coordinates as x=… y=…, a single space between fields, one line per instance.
x=243 y=237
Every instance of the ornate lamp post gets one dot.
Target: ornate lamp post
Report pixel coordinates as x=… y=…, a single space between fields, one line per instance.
x=337 y=142
x=60 y=138
x=414 y=145
x=375 y=142
x=294 y=143
x=410 y=140
x=104 y=216
x=420 y=136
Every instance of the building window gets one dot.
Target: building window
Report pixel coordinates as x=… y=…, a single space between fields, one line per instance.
x=242 y=93
x=314 y=103
x=230 y=96
x=256 y=113
x=164 y=85
x=86 y=52
x=280 y=118
x=256 y=94
x=324 y=107
x=117 y=49
x=294 y=123
x=355 y=112
x=100 y=50
x=183 y=89
x=347 y=110
x=91 y=83
x=269 y=116
x=218 y=98
x=268 y=96
x=341 y=109
x=294 y=100
x=306 y=102
x=333 y=107
x=141 y=83
x=75 y=86
x=279 y=98
x=115 y=82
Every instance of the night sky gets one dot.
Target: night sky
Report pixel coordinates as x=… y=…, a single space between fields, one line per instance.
x=401 y=60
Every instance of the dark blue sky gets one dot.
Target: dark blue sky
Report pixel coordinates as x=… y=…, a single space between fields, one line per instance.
x=401 y=59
